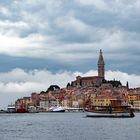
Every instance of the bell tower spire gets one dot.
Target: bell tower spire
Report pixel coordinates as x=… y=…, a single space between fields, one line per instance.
x=101 y=64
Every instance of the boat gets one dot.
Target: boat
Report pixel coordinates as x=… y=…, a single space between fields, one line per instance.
x=32 y=109
x=14 y=109
x=112 y=110
x=57 y=109
x=107 y=111
x=11 y=109
x=3 y=111
x=21 y=109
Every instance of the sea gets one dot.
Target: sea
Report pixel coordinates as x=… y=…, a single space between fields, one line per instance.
x=67 y=126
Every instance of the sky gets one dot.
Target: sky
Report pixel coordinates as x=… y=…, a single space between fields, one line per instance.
x=44 y=42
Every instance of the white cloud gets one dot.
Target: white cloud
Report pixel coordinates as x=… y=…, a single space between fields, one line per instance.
x=9 y=24
x=72 y=24
x=100 y=4
x=31 y=46
x=18 y=82
x=133 y=79
x=4 y=11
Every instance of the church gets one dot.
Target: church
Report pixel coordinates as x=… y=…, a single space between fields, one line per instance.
x=92 y=80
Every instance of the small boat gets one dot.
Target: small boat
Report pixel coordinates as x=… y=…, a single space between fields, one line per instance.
x=3 y=111
x=32 y=109
x=57 y=109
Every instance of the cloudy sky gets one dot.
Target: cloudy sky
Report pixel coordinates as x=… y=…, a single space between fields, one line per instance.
x=45 y=42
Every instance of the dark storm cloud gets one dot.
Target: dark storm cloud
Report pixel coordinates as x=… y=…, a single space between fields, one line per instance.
x=59 y=30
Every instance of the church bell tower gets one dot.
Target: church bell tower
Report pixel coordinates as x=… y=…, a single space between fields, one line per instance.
x=101 y=64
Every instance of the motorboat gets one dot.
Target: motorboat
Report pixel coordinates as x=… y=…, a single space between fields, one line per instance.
x=11 y=109
x=57 y=109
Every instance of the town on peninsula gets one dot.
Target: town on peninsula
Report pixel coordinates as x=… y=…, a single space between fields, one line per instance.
x=93 y=90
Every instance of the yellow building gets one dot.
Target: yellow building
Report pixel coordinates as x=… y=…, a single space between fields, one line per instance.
x=132 y=97
x=102 y=100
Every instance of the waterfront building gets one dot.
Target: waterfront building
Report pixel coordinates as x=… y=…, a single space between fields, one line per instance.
x=65 y=103
x=44 y=105
x=132 y=97
x=35 y=99
x=25 y=102
x=103 y=100
x=136 y=104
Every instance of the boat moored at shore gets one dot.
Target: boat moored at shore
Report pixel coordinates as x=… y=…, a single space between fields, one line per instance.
x=111 y=114
x=11 y=109
x=57 y=109
x=112 y=110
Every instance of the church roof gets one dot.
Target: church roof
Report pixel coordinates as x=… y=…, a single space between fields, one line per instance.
x=90 y=77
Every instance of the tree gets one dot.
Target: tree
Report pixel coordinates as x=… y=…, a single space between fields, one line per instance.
x=114 y=83
x=68 y=85
x=52 y=88
x=42 y=92
x=127 y=85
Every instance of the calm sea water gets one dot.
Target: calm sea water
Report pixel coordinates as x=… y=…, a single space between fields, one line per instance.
x=67 y=126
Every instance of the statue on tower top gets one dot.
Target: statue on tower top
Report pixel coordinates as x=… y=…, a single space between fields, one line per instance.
x=101 y=59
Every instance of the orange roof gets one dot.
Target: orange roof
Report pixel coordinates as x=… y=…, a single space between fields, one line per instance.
x=90 y=77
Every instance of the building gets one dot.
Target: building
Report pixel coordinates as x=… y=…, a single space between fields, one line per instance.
x=35 y=99
x=136 y=105
x=25 y=102
x=92 y=80
x=104 y=100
